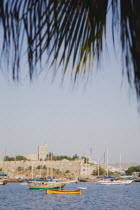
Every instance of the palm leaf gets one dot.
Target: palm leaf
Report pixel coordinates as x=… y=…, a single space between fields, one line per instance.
x=71 y=33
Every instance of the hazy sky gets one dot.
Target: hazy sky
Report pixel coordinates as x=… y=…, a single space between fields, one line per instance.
x=101 y=115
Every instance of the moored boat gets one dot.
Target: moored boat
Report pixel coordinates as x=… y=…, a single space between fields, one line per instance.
x=127 y=181
x=82 y=188
x=3 y=179
x=137 y=180
x=86 y=180
x=3 y=182
x=108 y=182
x=33 y=180
x=114 y=182
x=15 y=180
x=46 y=186
x=73 y=192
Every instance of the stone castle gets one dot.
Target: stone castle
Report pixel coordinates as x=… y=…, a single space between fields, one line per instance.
x=42 y=151
x=77 y=167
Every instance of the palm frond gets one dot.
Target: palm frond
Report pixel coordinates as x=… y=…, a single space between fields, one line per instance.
x=71 y=32
x=130 y=40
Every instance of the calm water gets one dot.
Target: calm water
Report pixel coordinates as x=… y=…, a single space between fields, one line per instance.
x=96 y=197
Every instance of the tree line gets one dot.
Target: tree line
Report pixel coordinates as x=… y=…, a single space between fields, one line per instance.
x=50 y=156
x=16 y=158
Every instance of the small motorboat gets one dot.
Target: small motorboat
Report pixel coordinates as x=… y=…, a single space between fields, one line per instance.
x=73 y=192
x=82 y=188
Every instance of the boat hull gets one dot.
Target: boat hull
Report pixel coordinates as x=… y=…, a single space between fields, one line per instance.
x=86 y=180
x=114 y=182
x=72 y=192
x=136 y=180
x=109 y=183
x=45 y=187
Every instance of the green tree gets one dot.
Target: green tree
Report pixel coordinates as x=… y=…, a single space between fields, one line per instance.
x=39 y=167
x=71 y=32
x=7 y=158
x=20 y=168
x=30 y=168
x=75 y=157
x=86 y=159
x=67 y=171
x=49 y=156
x=101 y=172
x=132 y=169
x=20 y=157
x=17 y=158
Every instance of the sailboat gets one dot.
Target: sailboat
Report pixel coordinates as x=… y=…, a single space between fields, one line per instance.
x=86 y=179
x=126 y=179
x=112 y=181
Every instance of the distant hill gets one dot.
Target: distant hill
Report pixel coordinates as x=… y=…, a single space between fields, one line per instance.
x=124 y=165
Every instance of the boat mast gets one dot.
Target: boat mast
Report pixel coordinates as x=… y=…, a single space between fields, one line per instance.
x=15 y=164
x=47 y=164
x=86 y=168
x=32 y=167
x=104 y=159
x=51 y=165
x=98 y=168
x=107 y=161
x=120 y=162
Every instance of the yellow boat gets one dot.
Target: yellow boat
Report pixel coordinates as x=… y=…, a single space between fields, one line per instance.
x=75 y=192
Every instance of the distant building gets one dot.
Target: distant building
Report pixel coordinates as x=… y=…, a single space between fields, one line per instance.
x=42 y=151
x=31 y=156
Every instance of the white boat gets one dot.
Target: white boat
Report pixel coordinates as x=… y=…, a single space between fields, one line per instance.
x=127 y=181
x=82 y=188
x=114 y=182
x=109 y=182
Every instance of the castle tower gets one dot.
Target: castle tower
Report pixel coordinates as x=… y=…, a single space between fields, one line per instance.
x=42 y=151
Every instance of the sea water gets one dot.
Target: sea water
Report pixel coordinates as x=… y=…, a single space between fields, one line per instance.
x=14 y=196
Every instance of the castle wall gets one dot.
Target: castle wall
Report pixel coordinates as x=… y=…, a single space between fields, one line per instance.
x=77 y=167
